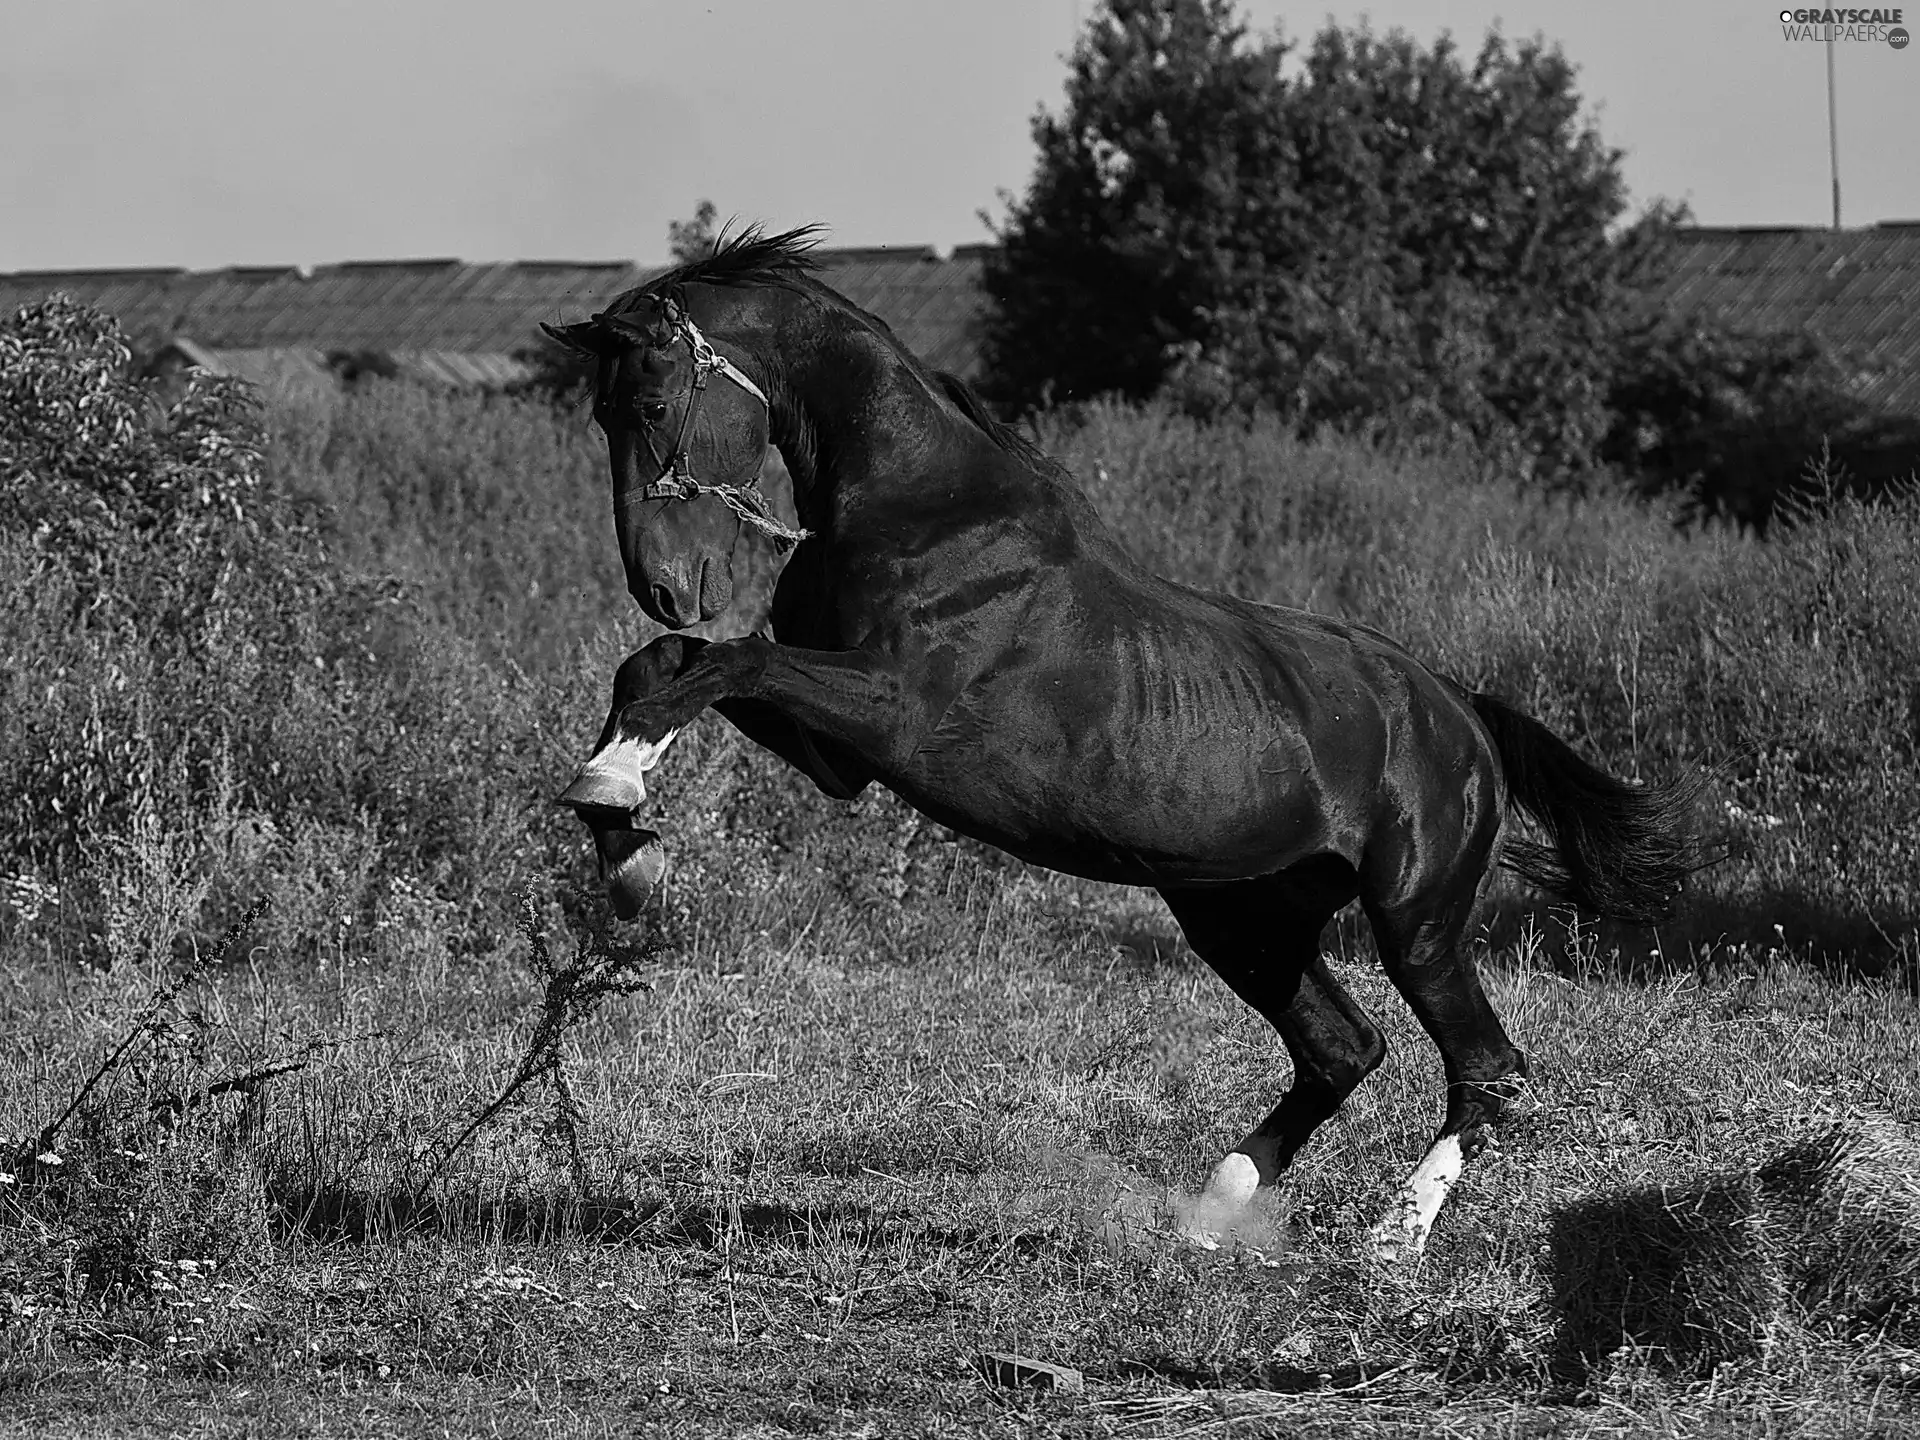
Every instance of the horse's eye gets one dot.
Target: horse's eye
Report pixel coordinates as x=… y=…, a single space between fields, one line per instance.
x=653 y=411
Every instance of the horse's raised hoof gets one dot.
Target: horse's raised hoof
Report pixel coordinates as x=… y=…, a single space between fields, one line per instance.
x=632 y=863
x=597 y=790
x=615 y=778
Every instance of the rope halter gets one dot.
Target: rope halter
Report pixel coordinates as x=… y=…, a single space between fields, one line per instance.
x=675 y=480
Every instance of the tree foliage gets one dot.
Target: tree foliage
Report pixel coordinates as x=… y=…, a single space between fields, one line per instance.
x=693 y=239
x=1395 y=235
x=1130 y=235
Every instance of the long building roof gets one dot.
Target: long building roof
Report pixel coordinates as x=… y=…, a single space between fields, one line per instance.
x=450 y=307
x=1856 y=289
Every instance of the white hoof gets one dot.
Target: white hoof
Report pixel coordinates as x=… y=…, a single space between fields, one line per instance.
x=1229 y=1191
x=1401 y=1234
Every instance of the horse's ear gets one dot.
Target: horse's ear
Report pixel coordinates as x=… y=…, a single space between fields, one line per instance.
x=638 y=331
x=585 y=338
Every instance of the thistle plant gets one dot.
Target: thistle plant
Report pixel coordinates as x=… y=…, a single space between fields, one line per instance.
x=573 y=988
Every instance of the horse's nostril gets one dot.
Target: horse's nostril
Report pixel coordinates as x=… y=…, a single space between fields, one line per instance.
x=665 y=606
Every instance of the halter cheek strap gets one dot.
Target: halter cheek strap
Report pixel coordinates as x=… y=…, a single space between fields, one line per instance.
x=676 y=480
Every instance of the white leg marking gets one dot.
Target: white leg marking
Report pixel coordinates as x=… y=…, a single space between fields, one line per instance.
x=1234 y=1180
x=1229 y=1190
x=629 y=760
x=1403 y=1230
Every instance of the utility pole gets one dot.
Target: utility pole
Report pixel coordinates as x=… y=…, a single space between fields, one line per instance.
x=1833 y=132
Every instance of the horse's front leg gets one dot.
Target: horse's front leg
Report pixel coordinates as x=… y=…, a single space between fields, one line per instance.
x=609 y=791
x=851 y=697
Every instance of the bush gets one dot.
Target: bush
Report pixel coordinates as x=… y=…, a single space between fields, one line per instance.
x=179 y=640
x=158 y=587
x=153 y=511
x=1732 y=420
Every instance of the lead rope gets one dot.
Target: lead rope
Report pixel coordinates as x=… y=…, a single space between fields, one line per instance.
x=745 y=501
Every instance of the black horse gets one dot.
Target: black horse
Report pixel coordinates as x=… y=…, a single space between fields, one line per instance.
x=958 y=625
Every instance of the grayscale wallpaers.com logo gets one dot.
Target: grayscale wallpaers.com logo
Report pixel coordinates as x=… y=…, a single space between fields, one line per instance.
x=1871 y=26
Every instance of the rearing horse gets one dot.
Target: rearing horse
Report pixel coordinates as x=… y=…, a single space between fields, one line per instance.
x=959 y=625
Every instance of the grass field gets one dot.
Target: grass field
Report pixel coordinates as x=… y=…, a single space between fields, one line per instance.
x=889 y=1102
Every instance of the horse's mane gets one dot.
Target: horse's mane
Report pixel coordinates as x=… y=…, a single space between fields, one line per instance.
x=753 y=257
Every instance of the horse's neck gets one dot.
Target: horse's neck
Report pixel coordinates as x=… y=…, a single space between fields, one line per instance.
x=841 y=404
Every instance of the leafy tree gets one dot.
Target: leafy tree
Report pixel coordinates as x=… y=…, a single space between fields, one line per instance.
x=1147 y=185
x=689 y=240
x=1396 y=236
x=94 y=472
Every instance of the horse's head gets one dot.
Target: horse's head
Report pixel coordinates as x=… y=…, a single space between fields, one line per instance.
x=686 y=435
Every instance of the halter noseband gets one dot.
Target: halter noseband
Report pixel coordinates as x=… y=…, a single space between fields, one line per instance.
x=675 y=480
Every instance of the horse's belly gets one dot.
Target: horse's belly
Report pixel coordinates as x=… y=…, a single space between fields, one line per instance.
x=1150 y=755
x=1135 y=819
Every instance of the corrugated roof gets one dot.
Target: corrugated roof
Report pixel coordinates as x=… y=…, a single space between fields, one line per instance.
x=435 y=309
x=1855 y=289
x=875 y=254
x=275 y=367
x=433 y=305
x=466 y=368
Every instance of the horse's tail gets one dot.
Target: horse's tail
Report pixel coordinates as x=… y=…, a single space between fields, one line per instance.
x=1617 y=849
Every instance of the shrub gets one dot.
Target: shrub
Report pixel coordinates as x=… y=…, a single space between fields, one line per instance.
x=151 y=511
x=156 y=585
x=1732 y=420
x=183 y=642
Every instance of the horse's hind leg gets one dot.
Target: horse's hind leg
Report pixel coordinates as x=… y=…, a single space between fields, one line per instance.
x=1263 y=938
x=1420 y=943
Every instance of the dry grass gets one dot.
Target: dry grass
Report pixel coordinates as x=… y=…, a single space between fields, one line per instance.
x=834 y=1153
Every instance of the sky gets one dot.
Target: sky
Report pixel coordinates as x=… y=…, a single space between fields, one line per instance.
x=207 y=133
